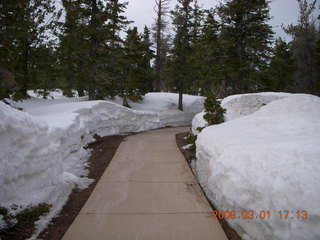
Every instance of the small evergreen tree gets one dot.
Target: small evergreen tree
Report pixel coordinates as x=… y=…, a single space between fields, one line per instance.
x=213 y=110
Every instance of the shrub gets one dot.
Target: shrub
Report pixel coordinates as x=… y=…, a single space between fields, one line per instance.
x=213 y=110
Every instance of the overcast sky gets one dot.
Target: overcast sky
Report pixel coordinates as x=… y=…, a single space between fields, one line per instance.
x=282 y=11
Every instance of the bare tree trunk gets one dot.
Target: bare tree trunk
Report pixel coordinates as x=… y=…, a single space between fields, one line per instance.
x=25 y=71
x=93 y=51
x=161 y=10
x=158 y=46
x=180 y=100
x=223 y=89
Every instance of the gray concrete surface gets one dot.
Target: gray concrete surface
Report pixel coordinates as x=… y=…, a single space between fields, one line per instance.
x=147 y=193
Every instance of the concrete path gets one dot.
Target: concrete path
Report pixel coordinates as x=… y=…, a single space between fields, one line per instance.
x=147 y=193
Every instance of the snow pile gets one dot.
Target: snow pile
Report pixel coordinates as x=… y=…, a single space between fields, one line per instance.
x=267 y=160
x=165 y=106
x=36 y=165
x=239 y=106
x=42 y=155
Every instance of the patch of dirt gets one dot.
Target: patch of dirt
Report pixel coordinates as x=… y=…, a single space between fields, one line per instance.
x=181 y=139
x=103 y=151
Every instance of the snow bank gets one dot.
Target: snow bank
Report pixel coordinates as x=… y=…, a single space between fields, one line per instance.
x=240 y=105
x=36 y=165
x=42 y=154
x=165 y=106
x=267 y=160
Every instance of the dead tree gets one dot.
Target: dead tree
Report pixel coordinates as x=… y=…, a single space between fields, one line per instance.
x=162 y=9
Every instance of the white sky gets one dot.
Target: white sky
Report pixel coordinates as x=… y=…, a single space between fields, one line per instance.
x=282 y=11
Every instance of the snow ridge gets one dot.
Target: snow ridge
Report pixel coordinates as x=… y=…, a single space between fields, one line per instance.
x=265 y=159
x=42 y=155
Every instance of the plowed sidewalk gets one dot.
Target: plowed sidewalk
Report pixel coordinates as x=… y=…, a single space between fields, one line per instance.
x=147 y=193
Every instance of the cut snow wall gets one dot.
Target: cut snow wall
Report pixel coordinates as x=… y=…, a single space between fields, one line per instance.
x=268 y=160
x=43 y=158
x=35 y=160
x=239 y=106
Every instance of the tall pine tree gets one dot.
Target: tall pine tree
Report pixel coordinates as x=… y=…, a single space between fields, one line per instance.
x=206 y=54
x=245 y=37
x=72 y=49
x=162 y=9
x=281 y=70
x=111 y=85
x=136 y=72
x=180 y=74
x=304 y=39
x=23 y=26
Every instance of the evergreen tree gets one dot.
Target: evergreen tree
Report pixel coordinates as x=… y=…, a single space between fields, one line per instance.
x=46 y=69
x=180 y=74
x=196 y=22
x=214 y=113
x=113 y=62
x=137 y=72
x=206 y=54
x=160 y=40
x=72 y=49
x=93 y=62
x=317 y=85
x=147 y=56
x=7 y=83
x=245 y=37
x=281 y=70
x=304 y=39
x=22 y=31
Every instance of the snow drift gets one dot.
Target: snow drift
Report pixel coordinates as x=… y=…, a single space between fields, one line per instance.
x=239 y=106
x=42 y=155
x=268 y=159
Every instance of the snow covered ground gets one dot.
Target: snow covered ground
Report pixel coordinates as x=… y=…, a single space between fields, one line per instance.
x=239 y=106
x=264 y=157
x=42 y=155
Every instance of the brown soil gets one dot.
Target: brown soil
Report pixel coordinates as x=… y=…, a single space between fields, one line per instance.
x=103 y=151
x=182 y=141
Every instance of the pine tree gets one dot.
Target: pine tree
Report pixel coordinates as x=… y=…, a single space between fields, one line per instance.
x=7 y=83
x=22 y=31
x=97 y=51
x=214 y=113
x=206 y=55
x=281 y=70
x=147 y=56
x=317 y=84
x=46 y=69
x=137 y=72
x=304 y=38
x=72 y=49
x=113 y=57
x=180 y=74
x=160 y=39
x=245 y=37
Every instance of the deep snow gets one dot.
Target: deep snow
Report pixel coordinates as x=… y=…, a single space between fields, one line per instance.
x=265 y=157
x=42 y=155
x=239 y=106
